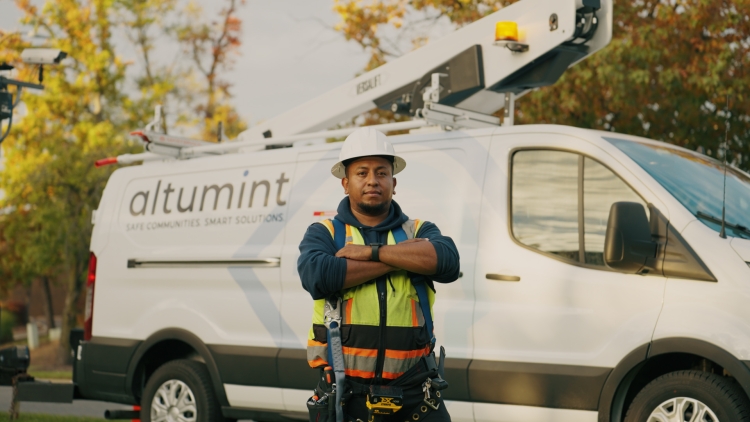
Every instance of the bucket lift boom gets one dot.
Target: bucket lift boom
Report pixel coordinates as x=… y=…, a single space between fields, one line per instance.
x=478 y=72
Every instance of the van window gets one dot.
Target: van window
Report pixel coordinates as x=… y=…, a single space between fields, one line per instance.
x=545 y=201
x=560 y=203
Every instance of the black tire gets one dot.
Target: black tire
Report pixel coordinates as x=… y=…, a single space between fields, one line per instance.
x=723 y=396
x=170 y=378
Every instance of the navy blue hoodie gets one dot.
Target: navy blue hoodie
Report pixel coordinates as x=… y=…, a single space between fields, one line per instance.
x=323 y=274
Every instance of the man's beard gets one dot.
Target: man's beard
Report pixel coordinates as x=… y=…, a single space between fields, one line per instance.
x=373 y=210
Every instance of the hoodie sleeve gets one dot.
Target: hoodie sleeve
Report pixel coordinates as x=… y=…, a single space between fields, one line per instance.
x=322 y=273
x=448 y=265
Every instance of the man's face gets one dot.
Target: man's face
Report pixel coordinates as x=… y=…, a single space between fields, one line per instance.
x=370 y=184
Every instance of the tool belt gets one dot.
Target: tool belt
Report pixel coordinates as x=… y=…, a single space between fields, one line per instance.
x=427 y=375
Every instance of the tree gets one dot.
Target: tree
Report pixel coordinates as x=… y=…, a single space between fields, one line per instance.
x=211 y=46
x=90 y=104
x=49 y=179
x=665 y=75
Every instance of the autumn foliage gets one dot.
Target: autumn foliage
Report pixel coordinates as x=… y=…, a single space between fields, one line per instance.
x=90 y=104
x=666 y=75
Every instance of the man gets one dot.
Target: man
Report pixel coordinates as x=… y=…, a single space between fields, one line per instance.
x=385 y=286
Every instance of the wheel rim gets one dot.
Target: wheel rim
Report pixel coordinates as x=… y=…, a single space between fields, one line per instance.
x=173 y=402
x=682 y=409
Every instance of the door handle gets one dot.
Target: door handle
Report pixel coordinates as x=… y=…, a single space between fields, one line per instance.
x=500 y=277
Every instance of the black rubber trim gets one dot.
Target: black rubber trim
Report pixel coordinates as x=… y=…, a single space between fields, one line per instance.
x=536 y=384
x=616 y=387
x=98 y=376
x=110 y=355
x=457 y=375
x=737 y=368
x=681 y=261
x=246 y=365
x=294 y=371
x=101 y=372
x=530 y=384
x=193 y=341
x=516 y=383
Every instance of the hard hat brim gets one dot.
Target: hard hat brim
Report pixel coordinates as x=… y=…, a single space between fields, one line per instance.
x=339 y=169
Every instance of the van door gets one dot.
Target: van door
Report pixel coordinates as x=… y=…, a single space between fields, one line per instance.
x=551 y=320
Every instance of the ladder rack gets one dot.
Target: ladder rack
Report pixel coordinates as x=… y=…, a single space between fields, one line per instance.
x=166 y=151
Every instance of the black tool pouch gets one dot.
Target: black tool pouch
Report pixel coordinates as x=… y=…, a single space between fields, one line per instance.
x=321 y=411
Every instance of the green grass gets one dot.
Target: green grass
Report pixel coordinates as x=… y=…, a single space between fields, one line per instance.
x=51 y=375
x=24 y=417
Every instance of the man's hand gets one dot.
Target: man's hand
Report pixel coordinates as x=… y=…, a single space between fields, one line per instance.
x=364 y=253
x=355 y=252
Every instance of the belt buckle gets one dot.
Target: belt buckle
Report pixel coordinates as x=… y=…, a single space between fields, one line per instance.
x=426 y=386
x=331 y=314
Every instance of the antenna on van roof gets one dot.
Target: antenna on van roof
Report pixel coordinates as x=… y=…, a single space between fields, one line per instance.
x=454 y=82
x=723 y=232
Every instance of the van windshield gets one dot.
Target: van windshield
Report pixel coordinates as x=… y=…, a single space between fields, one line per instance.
x=697 y=181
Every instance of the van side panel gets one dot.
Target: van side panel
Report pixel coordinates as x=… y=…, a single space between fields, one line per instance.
x=196 y=245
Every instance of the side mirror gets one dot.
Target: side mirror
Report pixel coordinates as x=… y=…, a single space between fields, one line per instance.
x=628 y=244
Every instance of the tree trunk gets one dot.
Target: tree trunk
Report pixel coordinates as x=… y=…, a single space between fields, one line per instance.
x=48 y=310
x=74 y=284
x=27 y=304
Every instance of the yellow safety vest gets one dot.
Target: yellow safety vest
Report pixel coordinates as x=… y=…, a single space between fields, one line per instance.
x=401 y=342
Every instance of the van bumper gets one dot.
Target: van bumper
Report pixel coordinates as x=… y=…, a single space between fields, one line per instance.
x=100 y=369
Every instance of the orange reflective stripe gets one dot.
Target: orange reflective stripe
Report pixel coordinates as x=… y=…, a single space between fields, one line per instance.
x=414 y=314
x=317 y=362
x=406 y=354
x=416 y=227
x=349 y=310
x=359 y=374
x=313 y=343
x=368 y=353
x=349 y=232
x=392 y=375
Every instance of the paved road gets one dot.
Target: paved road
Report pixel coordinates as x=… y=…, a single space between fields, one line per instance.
x=77 y=408
x=88 y=408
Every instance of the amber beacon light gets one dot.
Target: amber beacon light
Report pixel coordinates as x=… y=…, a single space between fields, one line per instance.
x=506 y=35
x=506 y=31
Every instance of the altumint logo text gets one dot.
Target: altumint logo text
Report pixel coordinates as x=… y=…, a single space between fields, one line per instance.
x=185 y=200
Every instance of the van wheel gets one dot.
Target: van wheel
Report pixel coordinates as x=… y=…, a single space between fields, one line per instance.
x=690 y=396
x=180 y=390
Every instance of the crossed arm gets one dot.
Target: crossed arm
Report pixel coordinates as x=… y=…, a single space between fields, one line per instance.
x=414 y=255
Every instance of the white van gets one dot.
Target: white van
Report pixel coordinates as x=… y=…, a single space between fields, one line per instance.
x=194 y=292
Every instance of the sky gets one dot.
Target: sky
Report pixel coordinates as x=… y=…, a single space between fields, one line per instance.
x=290 y=54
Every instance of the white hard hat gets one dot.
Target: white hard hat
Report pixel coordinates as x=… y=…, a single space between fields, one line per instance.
x=366 y=142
